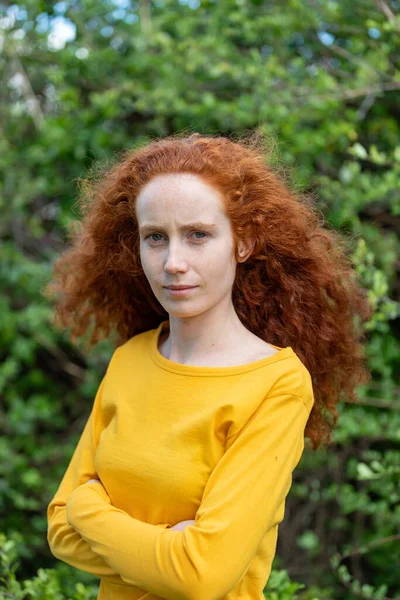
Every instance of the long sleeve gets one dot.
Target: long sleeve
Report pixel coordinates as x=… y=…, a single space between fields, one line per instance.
x=65 y=542
x=243 y=499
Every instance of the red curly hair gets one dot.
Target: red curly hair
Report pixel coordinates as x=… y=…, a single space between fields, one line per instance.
x=298 y=288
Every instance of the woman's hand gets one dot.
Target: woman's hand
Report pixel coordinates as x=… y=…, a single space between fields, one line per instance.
x=181 y=525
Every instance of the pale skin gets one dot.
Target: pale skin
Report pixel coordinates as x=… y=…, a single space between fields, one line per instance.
x=186 y=239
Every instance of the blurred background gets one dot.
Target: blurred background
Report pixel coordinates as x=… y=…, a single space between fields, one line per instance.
x=82 y=80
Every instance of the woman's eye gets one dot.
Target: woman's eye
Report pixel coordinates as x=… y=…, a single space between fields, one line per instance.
x=202 y=233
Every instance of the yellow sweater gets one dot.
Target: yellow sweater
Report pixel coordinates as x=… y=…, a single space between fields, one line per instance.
x=170 y=443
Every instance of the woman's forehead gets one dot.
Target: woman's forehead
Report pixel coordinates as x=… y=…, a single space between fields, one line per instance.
x=189 y=197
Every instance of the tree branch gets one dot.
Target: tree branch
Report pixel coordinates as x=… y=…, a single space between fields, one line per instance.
x=383 y=7
x=27 y=91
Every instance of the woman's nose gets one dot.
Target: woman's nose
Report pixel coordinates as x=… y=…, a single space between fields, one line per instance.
x=175 y=257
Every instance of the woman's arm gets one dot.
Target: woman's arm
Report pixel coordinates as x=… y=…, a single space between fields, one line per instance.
x=65 y=542
x=243 y=499
x=178 y=527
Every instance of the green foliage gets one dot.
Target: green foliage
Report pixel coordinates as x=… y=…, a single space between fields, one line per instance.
x=320 y=77
x=280 y=587
x=44 y=586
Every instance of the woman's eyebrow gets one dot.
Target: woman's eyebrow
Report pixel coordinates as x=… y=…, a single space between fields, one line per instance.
x=147 y=226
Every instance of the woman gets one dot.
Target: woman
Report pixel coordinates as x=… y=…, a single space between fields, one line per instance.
x=178 y=483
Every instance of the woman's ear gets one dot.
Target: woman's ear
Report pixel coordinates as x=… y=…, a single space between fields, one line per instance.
x=245 y=248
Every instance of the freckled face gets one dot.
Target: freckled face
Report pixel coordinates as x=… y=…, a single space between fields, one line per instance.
x=173 y=252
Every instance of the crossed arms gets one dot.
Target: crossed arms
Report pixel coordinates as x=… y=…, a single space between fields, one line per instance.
x=243 y=499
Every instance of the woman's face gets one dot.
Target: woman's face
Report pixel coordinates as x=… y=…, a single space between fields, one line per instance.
x=175 y=249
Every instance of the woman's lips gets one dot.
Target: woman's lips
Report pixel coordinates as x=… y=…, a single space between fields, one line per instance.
x=181 y=292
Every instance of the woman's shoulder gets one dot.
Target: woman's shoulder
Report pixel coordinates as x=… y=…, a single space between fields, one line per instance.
x=135 y=347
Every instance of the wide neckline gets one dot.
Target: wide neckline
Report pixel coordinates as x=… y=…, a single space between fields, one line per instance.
x=170 y=365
